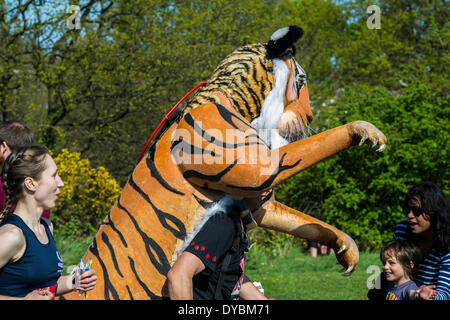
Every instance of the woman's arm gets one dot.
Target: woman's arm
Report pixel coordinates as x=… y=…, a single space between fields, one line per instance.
x=443 y=282
x=33 y=295
x=65 y=284
x=13 y=244
x=12 y=247
x=83 y=282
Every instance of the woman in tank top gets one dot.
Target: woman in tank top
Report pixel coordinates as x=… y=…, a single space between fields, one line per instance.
x=30 y=264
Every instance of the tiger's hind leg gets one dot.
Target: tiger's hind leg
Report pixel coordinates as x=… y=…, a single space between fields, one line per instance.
x=279 y=217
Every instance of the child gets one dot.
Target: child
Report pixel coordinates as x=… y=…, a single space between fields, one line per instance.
x=400 y=260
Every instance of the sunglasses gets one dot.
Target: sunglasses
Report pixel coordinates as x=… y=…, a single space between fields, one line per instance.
x=415 y=210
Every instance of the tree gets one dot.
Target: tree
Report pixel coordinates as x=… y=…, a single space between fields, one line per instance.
x=87 y=196
x=104 y=88
x=397 y=78
x=412 y=44
x=361 y=191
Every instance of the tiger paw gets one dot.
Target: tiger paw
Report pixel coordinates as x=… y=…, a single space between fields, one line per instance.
x=365 y=132
x=347 y=254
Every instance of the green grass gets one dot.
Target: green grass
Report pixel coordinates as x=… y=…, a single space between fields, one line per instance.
x=294 y=275
x=71 y=250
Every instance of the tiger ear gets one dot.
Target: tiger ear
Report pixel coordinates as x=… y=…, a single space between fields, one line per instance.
x=282 y=42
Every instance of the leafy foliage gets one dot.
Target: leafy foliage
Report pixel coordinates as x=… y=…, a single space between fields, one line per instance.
x=361 y=191
x=102 y=90
x=86 y=198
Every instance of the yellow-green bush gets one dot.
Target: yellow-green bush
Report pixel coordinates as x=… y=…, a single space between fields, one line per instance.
x=86 y=198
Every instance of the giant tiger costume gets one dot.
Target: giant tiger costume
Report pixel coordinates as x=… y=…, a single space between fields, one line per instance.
x=242 y=134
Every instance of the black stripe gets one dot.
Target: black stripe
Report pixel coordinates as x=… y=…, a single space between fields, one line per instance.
x=214 y=178
x=190 y=121
x=108 y=285
x=238 y=91
x=161 y=263
x=113 y=254
x=181 y=145
x=255 y=79
x=228 y=117
x=129 y=292
x=263 y=65
x=143 y=285
x=255 y=135
x=251 y=93
x=266 y=69
x=237 y=103
x=257 y=50
x=262 y=93
x=269 y=181
x=155 y=173
x=162 y=216
x=205 y=204
x=111 y=224
x=222 y=82
x=207 y=97
x=236 y=63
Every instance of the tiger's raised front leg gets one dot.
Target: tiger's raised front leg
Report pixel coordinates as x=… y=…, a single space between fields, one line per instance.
x=279 y=217
x=216 y=148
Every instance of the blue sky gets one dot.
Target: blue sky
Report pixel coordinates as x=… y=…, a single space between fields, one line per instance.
x=46 y=11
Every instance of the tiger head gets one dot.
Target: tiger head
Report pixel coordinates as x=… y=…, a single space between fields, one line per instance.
x=267 y=86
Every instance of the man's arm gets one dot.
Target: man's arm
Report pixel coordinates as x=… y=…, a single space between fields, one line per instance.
x=250 y=292
x=181 y=274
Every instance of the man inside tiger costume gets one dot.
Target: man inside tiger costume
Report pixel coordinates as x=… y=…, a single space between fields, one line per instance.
x=242 y=134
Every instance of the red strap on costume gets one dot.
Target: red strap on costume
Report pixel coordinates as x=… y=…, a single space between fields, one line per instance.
x=167 y=116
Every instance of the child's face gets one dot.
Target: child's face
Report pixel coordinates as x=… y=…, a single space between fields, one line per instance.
x=393 y=269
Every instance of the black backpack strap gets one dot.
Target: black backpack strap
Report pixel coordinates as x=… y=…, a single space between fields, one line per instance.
x=226 y=261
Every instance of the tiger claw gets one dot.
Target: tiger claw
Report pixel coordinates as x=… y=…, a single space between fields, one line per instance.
x=374 y=143
x=367 y=131
x=342 y=249
x=348 y=272
x=381 y=148
x=363 y=139
x=347 y=255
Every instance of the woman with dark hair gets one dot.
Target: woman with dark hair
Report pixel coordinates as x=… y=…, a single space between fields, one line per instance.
x=30 y=264
x=428 y=227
